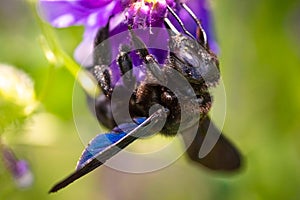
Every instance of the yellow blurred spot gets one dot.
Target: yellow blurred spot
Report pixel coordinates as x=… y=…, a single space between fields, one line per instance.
x=42 y=131
x=151 y=1
x=50 y=56
x=16 y=88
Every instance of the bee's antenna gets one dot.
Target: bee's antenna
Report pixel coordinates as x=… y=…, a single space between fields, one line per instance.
x=179 y=21
x=198 y=22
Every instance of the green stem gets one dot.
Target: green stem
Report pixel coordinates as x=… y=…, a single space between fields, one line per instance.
x=58 y=57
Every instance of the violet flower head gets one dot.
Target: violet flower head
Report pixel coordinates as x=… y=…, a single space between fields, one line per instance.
x=147 y=13
x=94 y=14
x=19 y=169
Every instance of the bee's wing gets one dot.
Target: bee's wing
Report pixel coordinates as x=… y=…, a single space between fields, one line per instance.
x=105 y=146
x=223 y=156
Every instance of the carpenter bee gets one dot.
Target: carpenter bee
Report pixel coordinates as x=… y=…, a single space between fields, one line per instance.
x=192 y=60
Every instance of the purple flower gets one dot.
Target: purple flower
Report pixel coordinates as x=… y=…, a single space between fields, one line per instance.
x=94 y=14
x=19 y=169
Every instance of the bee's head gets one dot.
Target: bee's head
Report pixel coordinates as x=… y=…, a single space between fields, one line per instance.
x=194 y=61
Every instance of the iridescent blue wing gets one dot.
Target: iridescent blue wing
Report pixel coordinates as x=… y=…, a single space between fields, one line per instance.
x=105 y=146
x=102 y=142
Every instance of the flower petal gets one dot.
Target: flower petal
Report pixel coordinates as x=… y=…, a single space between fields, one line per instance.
x=203 y=12
x=201 y=9
x=84 y=52
x=62 y=13
x=81 y=12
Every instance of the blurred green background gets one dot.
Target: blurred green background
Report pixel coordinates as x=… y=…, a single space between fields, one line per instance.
x=260 y=63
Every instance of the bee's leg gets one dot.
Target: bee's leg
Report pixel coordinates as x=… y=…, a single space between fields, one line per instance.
x=102 y=47
x=101 y=108
x=125 y=63
x=152 y=65
x=102 y=74
x=201 y=35
x=180 y=22
x=172 y=30
x=102 y=60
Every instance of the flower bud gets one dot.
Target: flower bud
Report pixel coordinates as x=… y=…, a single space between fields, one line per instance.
x=17 y=96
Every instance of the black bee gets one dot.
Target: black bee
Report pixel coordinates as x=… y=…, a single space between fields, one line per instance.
x=192 y=59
